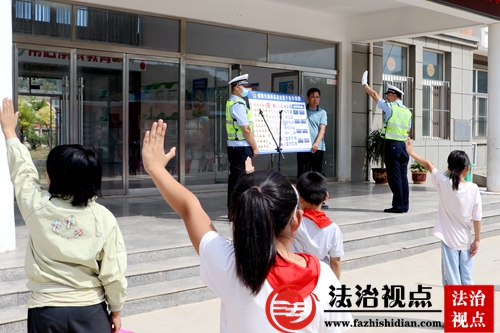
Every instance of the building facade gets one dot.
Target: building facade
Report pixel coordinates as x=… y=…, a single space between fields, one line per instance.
x=108 y=70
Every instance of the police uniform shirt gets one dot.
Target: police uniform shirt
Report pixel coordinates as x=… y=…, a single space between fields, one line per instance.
x=239 y=112
x=386 y=107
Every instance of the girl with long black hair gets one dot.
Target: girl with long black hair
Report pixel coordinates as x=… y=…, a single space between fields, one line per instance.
x=459 y=203
x=263 y=285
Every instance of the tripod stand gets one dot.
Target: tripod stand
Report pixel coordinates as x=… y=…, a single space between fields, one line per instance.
x=278 y=146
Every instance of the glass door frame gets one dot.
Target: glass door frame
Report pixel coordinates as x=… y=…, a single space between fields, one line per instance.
x=76 y=122
x=126 y=117
x=182 y=119
x=15 y=76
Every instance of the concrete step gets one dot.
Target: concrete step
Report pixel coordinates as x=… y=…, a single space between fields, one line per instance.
x=407 y=229
x=391 y=251
x=13 y=319
x=166 y=294
x=398 y=219
x=14 y=269
x=368 y=238
x=14 y=293
x=140 y=299
x=163 y=270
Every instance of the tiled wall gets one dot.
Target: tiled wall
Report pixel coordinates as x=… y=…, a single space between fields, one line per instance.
x=458 y=71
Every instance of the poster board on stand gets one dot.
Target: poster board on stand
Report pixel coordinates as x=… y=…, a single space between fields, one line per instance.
x=295 y=136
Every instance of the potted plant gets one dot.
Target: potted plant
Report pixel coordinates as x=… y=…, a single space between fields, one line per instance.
x=418 y=173
x=375 y=153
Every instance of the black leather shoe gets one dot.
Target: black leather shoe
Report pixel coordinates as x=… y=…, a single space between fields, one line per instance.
x=324 y=206
x=392 y=210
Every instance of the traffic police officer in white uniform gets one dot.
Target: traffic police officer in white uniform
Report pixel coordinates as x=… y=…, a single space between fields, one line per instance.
x=397 y=123
x=240 y=139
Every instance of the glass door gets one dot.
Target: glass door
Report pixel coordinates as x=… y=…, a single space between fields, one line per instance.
x=205 y=135
x=153 y=94
x=97 y=120
x=43 y=100
x=327 y=84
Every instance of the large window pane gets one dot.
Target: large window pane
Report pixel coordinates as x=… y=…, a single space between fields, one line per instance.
x=395 y=60
x=44 y=18
x=102 y=25
x=99 y=115
x=206 y=138
x=433 y=68
x=482 y=82
x=42 y=101
x=435 y=109
x=153 y=95
x=109 y=26
x=294 y=51
x=225 y=42
x=159 y=33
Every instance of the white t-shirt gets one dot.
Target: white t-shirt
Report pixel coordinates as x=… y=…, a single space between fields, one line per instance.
x=241 y=312
x=455 y=211
x=323 y=243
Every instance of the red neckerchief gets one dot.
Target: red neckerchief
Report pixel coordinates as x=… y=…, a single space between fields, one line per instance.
x=318 y=217
x=304 y=279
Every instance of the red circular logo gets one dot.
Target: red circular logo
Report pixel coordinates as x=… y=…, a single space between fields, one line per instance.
x=286 y=309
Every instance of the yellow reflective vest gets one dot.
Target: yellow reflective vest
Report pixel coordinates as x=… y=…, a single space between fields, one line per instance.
x=235 y=132
x=398 y=125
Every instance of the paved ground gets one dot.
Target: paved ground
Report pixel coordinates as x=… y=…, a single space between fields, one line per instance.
x=149 y=217
x=422 y=269
x=349 y=202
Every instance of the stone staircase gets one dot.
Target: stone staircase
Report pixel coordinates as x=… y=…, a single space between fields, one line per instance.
x=163 y=268
x=376 y=241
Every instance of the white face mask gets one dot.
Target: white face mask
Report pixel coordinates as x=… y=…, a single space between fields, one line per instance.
x=244 y=92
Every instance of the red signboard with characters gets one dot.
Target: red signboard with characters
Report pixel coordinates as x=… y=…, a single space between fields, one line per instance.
x=490 y=8
x=469 y=308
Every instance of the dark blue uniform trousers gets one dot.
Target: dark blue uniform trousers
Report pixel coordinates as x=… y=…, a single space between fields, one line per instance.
x=236 y=157
x=396 y=162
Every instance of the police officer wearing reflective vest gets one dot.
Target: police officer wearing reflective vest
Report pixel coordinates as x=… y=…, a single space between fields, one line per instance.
x=240 y=140
x=397 y=123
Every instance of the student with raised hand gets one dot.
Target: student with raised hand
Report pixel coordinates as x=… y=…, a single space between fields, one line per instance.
x=459 y=203
x=75 y=258
x=247 y=273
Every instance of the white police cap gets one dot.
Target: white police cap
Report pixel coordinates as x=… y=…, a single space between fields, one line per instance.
x=240 y=80
x=394 y=90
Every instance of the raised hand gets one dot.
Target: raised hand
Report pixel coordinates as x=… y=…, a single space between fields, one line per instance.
x=8 y=119
x=153 y=148
x=364 y=78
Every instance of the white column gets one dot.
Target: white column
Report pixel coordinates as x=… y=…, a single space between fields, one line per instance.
x=493 y=148
x=7 y=226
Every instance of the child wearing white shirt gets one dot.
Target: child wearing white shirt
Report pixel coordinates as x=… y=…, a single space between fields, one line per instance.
x=317 y=234
x=459 y=202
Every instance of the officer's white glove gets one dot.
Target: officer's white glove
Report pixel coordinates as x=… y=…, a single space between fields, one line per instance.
x=364 y=78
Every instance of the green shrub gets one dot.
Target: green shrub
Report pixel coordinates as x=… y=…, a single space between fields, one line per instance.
x=34 y=140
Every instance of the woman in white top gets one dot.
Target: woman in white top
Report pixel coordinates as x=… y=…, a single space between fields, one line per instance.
x=263 y=285
x=459 y=202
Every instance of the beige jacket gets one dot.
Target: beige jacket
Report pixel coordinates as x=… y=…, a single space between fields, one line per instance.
x=75 y=255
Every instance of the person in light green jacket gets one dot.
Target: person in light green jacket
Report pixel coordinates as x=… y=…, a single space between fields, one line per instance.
x=75 y=258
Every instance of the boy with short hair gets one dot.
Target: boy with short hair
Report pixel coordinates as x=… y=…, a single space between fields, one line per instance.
x=317 y=234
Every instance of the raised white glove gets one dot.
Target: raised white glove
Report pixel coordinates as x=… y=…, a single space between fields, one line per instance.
x=364 y=78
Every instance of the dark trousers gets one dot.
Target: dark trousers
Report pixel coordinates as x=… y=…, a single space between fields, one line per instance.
x=396 y=162
x=69 y=319
x=236 y=157
x=310 y=162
